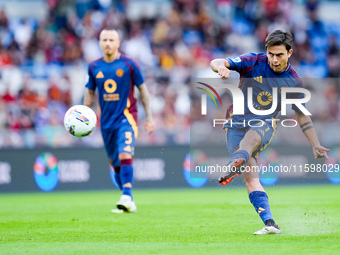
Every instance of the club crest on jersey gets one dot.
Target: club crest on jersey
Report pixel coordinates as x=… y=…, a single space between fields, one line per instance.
x=119 y=72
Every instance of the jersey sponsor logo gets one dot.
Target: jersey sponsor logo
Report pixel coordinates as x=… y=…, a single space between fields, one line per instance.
x=258 y=79
x=111 y=97
x=100 y=75
x=110 y=86
x=120 y=72
x=264 y=98
x=236 y=60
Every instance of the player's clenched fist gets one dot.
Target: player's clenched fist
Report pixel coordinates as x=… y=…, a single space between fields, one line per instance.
x=224 y=72
x=220 y=66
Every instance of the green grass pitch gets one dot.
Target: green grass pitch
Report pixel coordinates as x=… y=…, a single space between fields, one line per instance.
x=186 y=221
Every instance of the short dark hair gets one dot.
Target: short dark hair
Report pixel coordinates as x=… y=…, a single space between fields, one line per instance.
x=278 y=37
x=109 y=28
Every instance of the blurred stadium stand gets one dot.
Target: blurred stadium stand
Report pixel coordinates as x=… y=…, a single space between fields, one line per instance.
x=45 y=47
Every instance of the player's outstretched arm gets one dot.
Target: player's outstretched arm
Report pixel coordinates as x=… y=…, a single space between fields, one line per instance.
x=149 y=123
x=307 y=127
x=89 y=97
x=220 y=66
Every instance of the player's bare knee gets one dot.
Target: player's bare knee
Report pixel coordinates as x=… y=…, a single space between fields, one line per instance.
x=254 y=138
x=257 y=140
x=124 y=155
x=251 y=141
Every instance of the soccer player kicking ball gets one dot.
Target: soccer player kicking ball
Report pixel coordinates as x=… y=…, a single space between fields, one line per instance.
x=244 y=142
x=114 y=76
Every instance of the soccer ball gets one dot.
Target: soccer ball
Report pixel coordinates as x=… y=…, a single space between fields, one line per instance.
x=80 y=120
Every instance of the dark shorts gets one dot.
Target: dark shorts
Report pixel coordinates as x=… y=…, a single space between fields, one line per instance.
x=234 y=137
x=118 y=141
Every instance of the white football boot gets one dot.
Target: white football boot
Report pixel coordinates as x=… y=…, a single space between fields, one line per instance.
x=117 y=211
x=126 y=204
x=268 y=230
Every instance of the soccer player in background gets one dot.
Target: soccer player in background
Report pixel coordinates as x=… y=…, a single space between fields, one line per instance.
x=114 y=76
x=262 y=72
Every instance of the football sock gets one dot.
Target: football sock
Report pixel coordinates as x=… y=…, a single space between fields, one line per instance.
x=239 y=154
x=116 y=175
x=270 y=222
x=126 y=176
x=259 y=199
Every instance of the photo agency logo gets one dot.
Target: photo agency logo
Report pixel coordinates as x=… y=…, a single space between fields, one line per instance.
x=204 y=97
x=261 y=103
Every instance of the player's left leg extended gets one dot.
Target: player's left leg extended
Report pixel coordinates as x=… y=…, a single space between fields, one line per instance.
x=257 y=196
x=259 y=199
